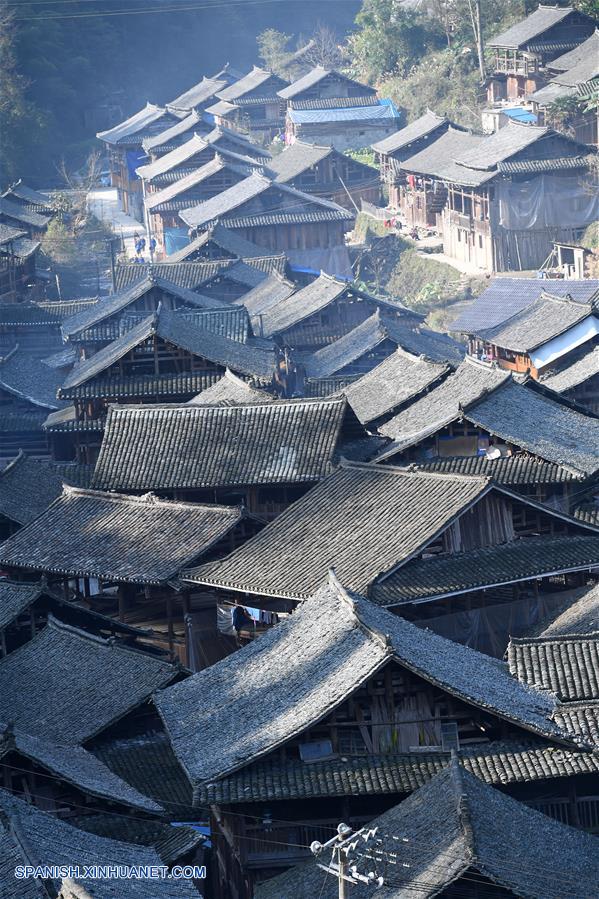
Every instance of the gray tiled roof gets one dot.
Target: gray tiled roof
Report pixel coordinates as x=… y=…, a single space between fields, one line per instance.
x=363 y=520
x=278 y=317
x=501 y=145
x=30 y=196
x=586 y=50
x=141 y=124
x=191 y=446
x=24 y=375
x=506 y=563
x=369 y=334
x=273 y=290
x=496 y=763
x=295 y=159
x=14 y=599
x=416 y=130
x=439 y=159
x=170 y=136
x=142 y=540
x=51 y=841
x=586 y=367
x=233 y=198
x=471 y=381
x=580 y=616
x=256 y=78
x=76 y=766
x=193 y=275
x=328 y=648
x=400 y=378
x=175 y=157
x=547 y=317
x=174 y=387
x=314 y=76
x=523 y=416
x=581 y=719
x=533 y=26
x=231 y=391
x=197 y=94
x=517 y=470
x=223 y=238
x=22 y=214
x=453 y=825
x=67 y=685
x=8 y=233
x=27 y=487
x=566 y=665
x=506 y=296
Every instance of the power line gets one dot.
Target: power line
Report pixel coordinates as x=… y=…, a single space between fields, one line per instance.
x=153 y=11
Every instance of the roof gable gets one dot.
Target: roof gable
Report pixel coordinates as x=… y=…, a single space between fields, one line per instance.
x=544 y=319
x=453 y=824
x=141 y=124
x=329 y=647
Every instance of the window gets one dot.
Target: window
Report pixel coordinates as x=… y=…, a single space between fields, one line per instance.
x=480 y=241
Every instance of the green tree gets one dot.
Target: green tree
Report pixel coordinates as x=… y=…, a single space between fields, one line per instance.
x=273 y=49
x=389 y=38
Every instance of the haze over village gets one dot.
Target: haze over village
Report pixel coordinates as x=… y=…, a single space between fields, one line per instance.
x=299 y=449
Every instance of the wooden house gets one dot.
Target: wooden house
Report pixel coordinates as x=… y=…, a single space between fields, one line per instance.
x=370 y=342
x=549 y=333
x=195 y=152
x=124 y=143
x=455 y=837
x=473 y=559
x=174 y=136
x=524 y=50
x=480 y=421
x=380 y=704
x=251 y=105
x=578 y=380
x=396 y=382
x=326 y=172
x=19 y=215
x=163 y=206
x=506 y=195
x=121 y=555
x=17 y=264
x=327 y=108
x=281 y=458
x=320 y=313
x=214 y=281
x=279 y=217
x=416 y=203
x=161 y=357
x=575 y=77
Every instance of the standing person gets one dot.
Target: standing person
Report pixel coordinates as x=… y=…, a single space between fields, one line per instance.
x=152 y=246
x=241 y=619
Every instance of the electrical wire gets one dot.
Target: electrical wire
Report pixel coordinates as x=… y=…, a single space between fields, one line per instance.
x=153 y=11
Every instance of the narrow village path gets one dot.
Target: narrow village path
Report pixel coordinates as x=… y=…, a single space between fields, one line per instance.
x=103 y=203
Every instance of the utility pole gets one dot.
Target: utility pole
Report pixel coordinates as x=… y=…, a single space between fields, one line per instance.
x=344 y=842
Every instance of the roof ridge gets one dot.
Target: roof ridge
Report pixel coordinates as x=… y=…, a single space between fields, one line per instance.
x=13 y=462
x=462 y=805
x=409 y=472
x=147 y=499
x=345 y=596
x=590 y=636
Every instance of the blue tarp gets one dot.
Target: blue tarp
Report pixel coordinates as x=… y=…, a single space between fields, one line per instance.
x=135 y=158
x=519 y=114
x=175 y=239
